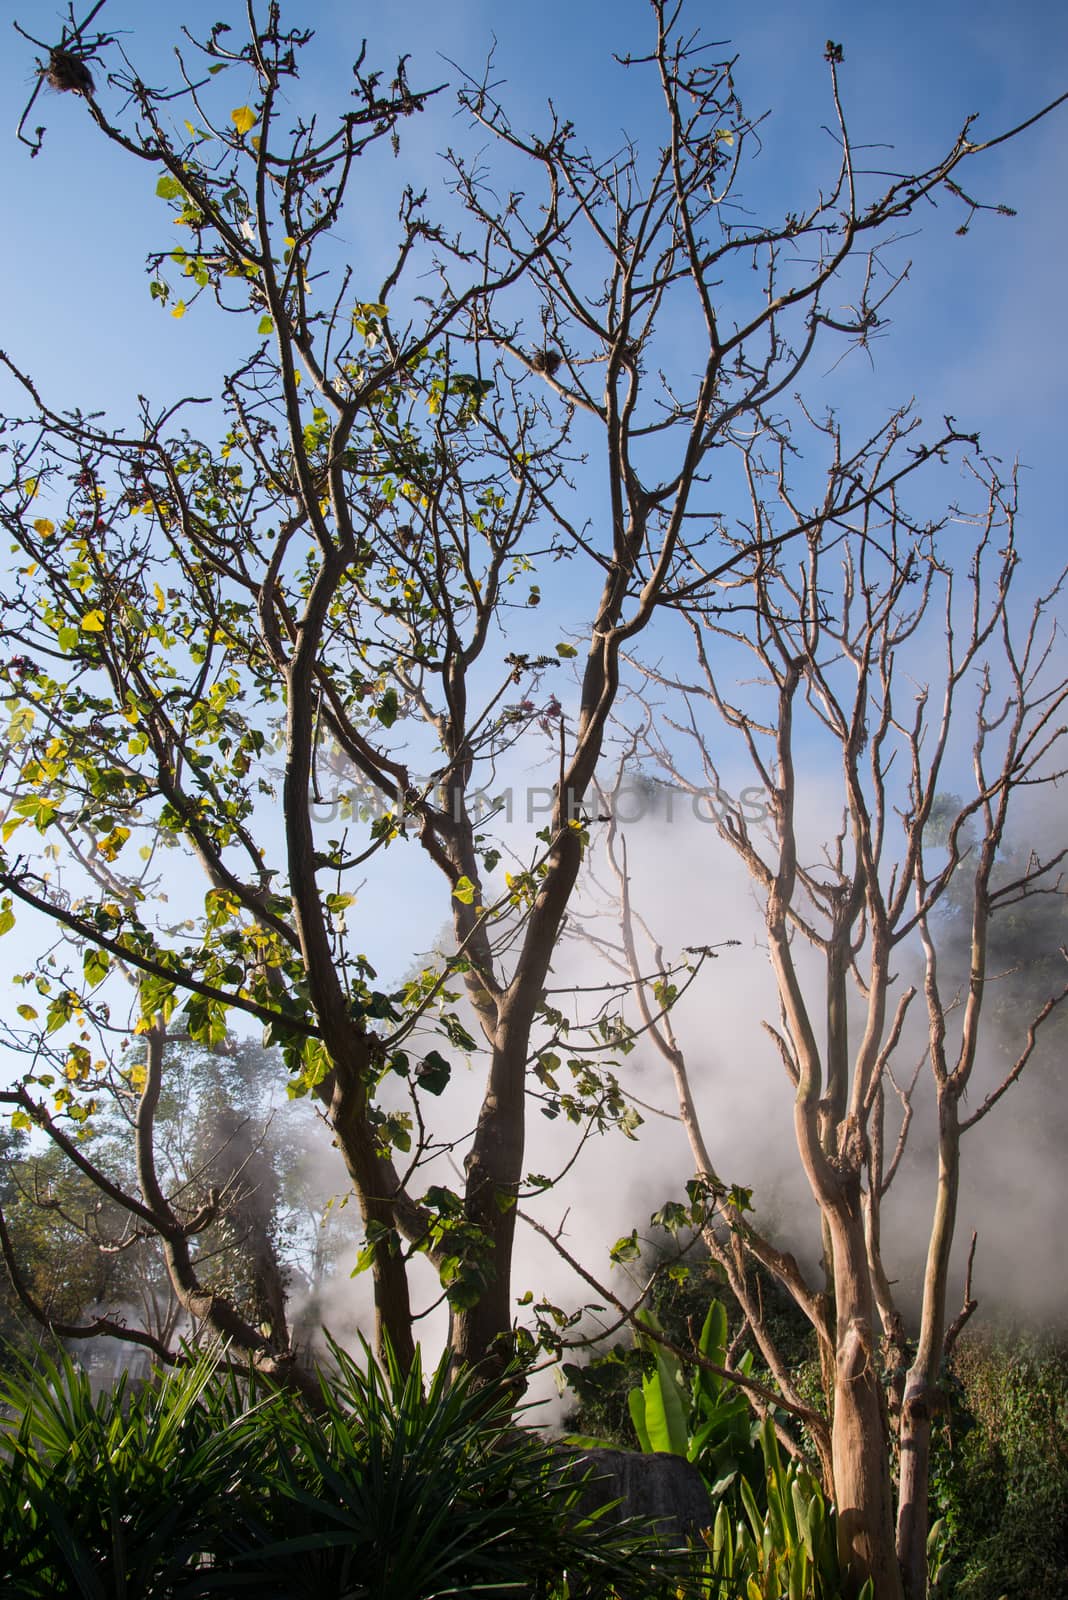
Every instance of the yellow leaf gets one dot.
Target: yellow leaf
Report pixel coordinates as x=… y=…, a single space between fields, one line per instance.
x=45 y=528
x=243 y=119
x=93 y=622
x=179 y=310
x=161 y=598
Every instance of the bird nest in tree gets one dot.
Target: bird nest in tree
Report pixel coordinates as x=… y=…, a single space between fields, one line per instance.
x=547 y=361
x=68 y=73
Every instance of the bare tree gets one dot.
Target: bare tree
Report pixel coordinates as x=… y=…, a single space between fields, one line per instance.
x=844 y=640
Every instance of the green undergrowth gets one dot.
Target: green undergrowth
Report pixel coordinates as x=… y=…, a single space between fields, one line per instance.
x=204 y=1482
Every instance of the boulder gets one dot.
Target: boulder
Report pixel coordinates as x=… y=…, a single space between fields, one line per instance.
x=663 y=1489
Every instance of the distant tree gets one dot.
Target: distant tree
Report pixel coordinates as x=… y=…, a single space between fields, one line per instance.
x=13 y=1315
x=266 y=1225
x=73 y=1266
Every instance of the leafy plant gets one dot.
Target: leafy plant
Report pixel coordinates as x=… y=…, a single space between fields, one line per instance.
x=410 y=1487
x=999 y=1481
x=206 y=1483
x=774 y=1533
x=788 y=1551
x=707 y=1420
x=115 y=1497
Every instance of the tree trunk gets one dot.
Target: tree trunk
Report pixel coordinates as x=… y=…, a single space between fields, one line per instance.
x=481 y=1333
x=346 y=1099
x=912 y=1507
x=862 y=1489
x=921 y=1392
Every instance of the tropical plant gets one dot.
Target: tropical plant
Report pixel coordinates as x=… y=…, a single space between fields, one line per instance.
x=206 y=1482
x=786 y=1551
x=116 y=1496
x=774 y=1533
x=706 y=1419
x=407 y=1486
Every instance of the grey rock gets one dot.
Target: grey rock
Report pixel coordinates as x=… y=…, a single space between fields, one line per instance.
x=663 y=1489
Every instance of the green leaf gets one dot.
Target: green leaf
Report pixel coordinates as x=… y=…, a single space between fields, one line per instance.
x=433 y=1072
x=96 y=964
x=266 y=325
x=665 y=1414
x=713 y=1346
x=439 y=1198
x=364 y=1260
x=625 y=1249
x=756 y=1521
x=168 y=188
x=21 y=1121
x=803 y=1519
x=636 y=1406
x=566 y=651
x=722 y=1547
x=387 y=708
x=464 y=891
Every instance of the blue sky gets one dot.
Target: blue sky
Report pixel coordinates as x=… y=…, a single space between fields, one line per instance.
x=977 y=330
x=75 y=303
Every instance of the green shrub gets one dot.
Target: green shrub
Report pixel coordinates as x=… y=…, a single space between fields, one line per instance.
x=1000 y=1478
x=201 y=1483
x=115 y=1497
